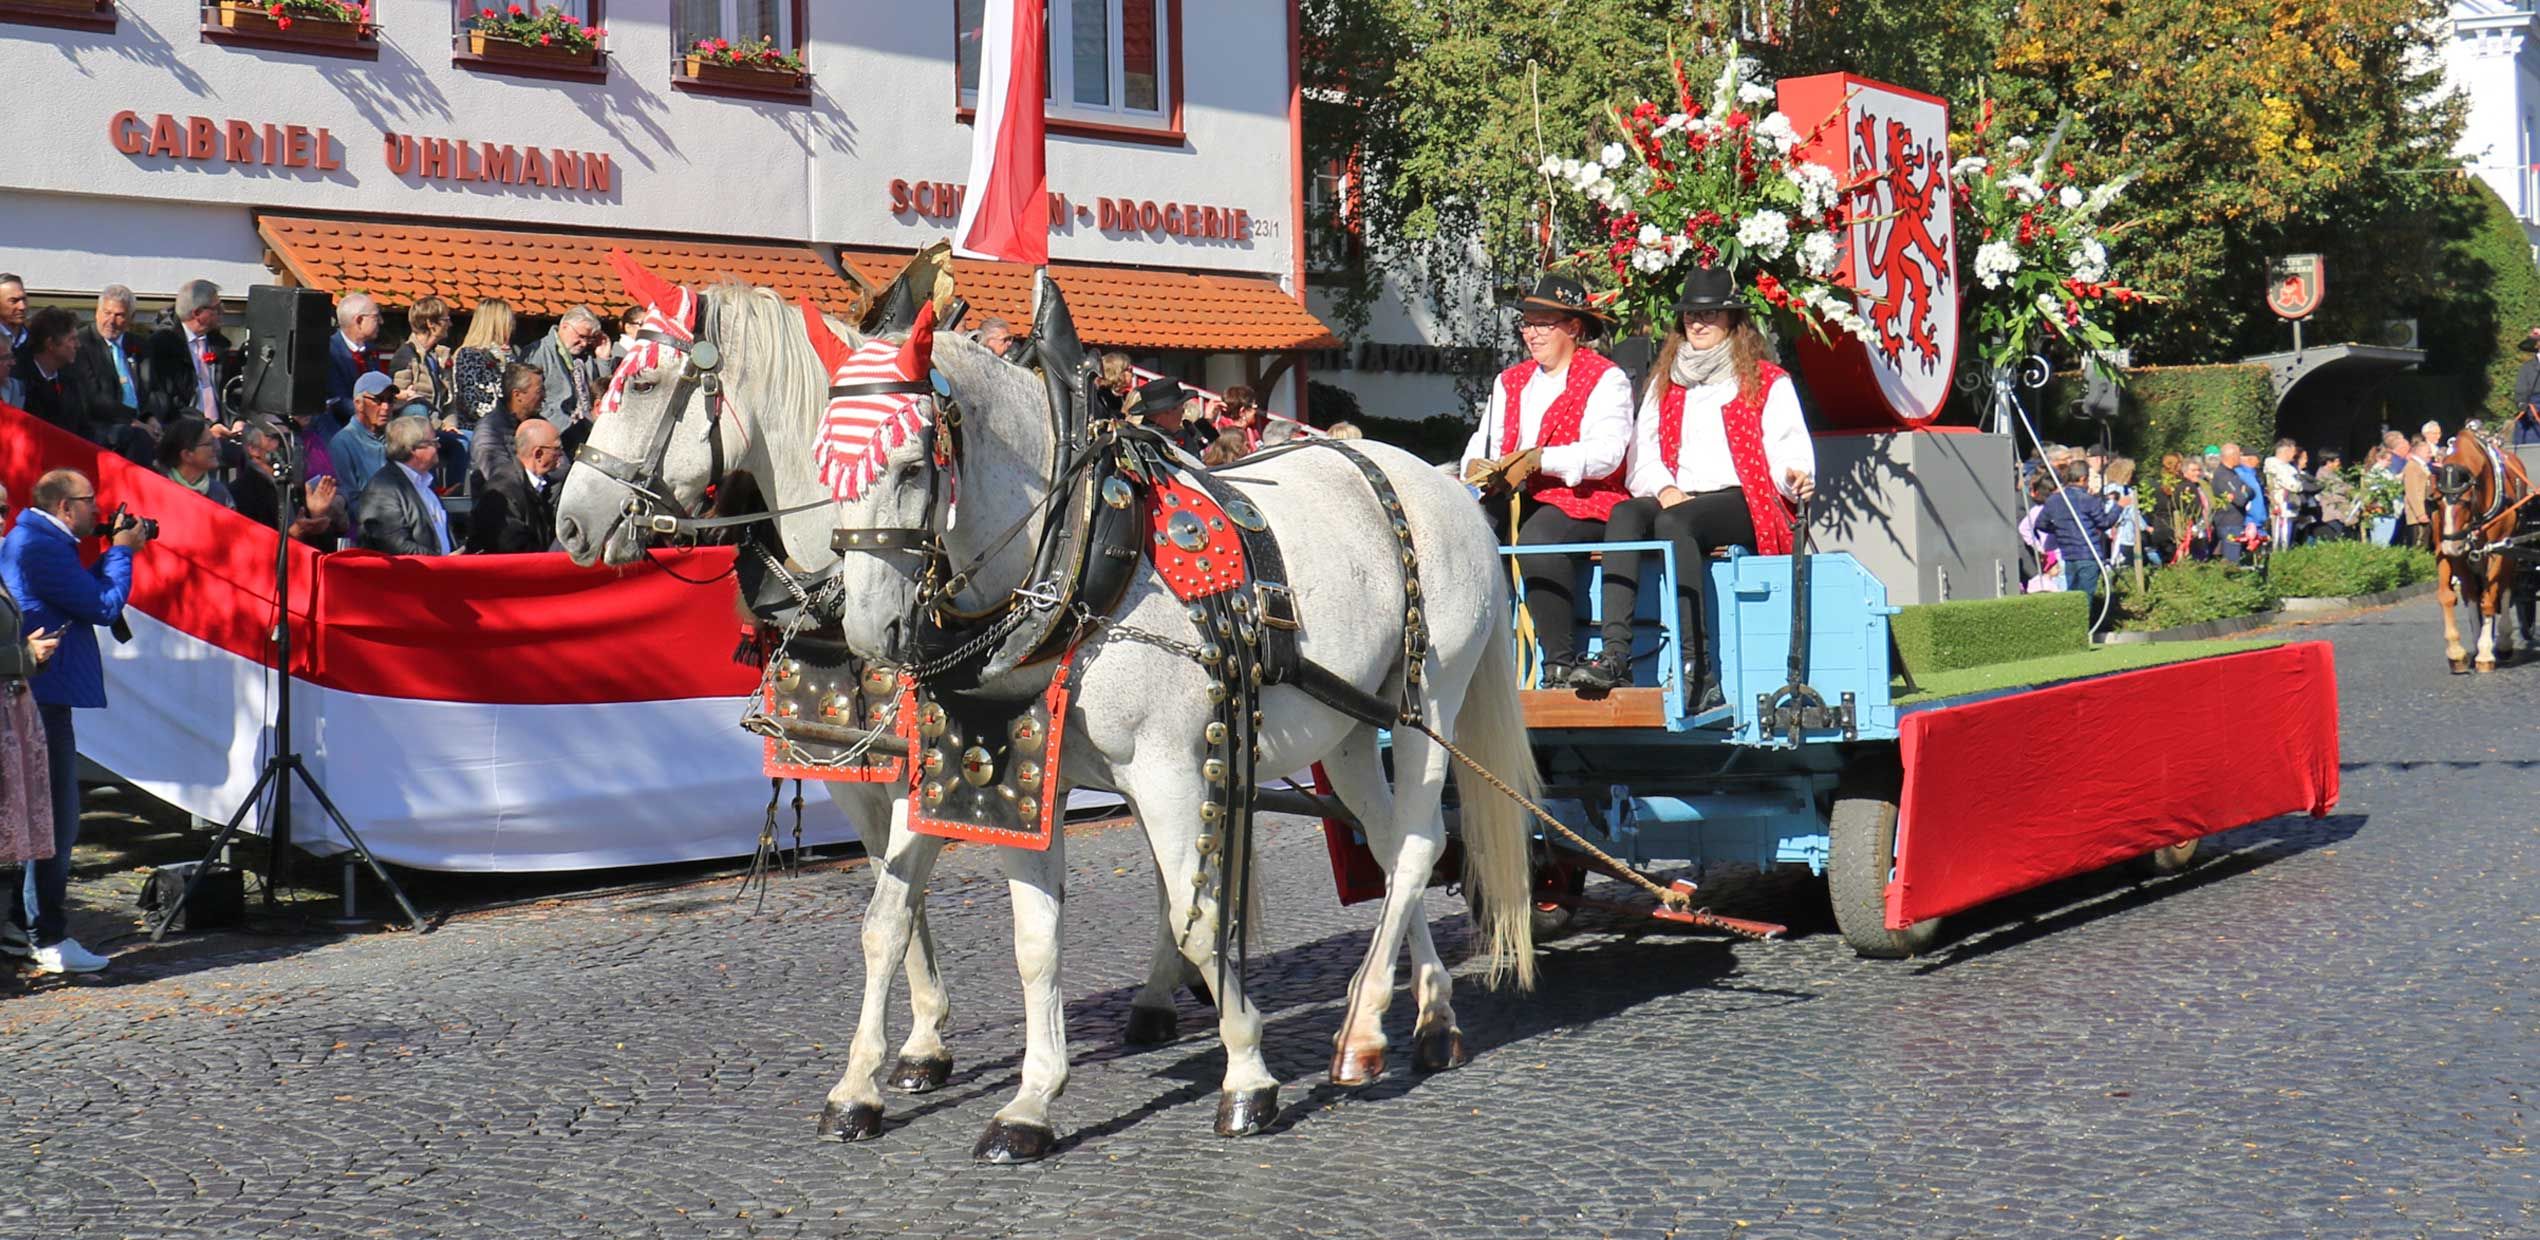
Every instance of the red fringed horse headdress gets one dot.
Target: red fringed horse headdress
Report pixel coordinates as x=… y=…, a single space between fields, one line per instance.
x=670 y=310
x=866 y=417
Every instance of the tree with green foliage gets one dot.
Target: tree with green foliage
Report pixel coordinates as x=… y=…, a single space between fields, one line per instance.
x=2485 y=297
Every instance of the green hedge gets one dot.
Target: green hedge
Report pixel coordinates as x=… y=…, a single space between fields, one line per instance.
x=1945 y=637
x=2184 y=594
x=2183 y=408
x=2345 y=569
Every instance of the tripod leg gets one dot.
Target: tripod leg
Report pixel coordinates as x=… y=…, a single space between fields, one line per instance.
x=228 y=831
x=361 y=849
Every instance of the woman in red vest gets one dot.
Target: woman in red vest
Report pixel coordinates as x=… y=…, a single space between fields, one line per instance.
x=1557 y=429
x=1720 y=457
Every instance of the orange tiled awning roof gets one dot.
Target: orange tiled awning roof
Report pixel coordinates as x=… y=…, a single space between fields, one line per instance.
x=542 y=274
x=1129 y=307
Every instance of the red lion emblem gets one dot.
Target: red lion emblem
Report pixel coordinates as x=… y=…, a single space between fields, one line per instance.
x=1906 y=257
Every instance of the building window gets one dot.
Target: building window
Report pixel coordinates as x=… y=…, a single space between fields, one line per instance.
x=1333 y=240
x=1109 y=60
x=737 y=22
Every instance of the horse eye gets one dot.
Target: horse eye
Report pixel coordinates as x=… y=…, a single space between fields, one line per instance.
x=908 y=472
x=644 y=384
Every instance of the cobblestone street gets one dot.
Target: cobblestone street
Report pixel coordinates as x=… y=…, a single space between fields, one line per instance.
x=2331 y=1028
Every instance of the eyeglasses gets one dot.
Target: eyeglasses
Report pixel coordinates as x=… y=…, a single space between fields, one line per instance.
x=1531 y=325
x=89 y=498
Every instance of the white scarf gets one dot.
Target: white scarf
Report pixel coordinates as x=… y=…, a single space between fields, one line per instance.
x=1696 y=367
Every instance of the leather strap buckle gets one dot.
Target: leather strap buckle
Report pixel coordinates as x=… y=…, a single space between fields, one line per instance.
x=1282 y=616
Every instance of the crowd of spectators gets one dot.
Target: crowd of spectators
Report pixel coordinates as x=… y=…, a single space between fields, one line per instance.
x=405 y=436
x=2088 y=513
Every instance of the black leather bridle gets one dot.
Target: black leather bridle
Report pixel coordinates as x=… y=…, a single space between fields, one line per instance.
x=648 y=499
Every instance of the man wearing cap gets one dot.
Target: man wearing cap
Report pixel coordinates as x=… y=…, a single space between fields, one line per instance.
x=1556 y=430
x=1161 y=404
x=361 y=447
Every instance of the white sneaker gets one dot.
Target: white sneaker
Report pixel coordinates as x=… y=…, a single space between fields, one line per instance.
x=13 y=941
x=67 y=956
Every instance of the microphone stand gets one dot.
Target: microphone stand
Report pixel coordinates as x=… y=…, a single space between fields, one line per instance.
x=285 y=763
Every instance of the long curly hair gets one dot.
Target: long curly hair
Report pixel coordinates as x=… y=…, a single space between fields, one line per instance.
x=1748 y=350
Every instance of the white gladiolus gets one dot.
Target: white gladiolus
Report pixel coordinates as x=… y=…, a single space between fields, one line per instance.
x=1777 y=130
x=2105 y=194
x=2022 y=187
x=1818 y=189
x=1766 y=233
x=1551 y=166
x=1994 y=261
x=1613 y=155
x=1968 y=167
x=2070 y=197
x=1817 y=253
x=1674 y=122
x=1754 y=92
x=1724 y=91
x=2090 y=262
x=2016 y=145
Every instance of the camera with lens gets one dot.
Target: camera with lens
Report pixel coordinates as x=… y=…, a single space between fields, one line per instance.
x=124 y=518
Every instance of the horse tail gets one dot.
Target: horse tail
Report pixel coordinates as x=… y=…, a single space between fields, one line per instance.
x=1499 y=880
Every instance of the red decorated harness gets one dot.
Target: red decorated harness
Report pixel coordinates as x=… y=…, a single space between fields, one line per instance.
x=1743 y=419
x=1592 y=499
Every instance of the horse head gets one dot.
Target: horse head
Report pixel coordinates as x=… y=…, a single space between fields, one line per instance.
x=919 y=430
x=2465 y=489
x=635 y=465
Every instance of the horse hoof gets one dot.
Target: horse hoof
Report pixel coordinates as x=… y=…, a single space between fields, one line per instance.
x=1243 y=1112
x=1353 y=1068
x=1152 y=1026
x=1438 y=1050
x=1200 y=991
x=917 y=1076
x=1006 y=1142
x=2484 y=665
x=857 y=1121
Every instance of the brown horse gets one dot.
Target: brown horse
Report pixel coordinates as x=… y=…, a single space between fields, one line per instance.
x=2482 y=491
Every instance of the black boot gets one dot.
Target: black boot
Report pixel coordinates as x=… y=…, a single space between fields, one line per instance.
x=1612 y=667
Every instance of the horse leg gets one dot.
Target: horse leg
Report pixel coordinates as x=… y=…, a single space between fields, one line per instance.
x=1437 y=1043
x=1408 y=842
x=1248 y=1097
x=924 y=1064
x=2447 y=595
x=2487 y=608
x=1037 y=881
x=1152 y=1017
x=854 y=1110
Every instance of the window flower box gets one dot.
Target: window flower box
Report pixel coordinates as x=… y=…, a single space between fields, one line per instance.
x=520 y=52
x=307 y=21
x=699 y=69
x=756 y=65
x=66 y=8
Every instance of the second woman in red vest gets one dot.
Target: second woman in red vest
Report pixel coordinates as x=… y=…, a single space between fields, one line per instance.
x=1720 y=457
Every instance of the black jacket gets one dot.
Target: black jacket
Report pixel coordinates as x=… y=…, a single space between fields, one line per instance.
x=167 y=373
x=511 y=515
x=389 y=516
x=95 y=367
x=60 y=400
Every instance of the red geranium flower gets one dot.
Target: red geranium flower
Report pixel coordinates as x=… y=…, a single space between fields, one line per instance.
x=283 y=23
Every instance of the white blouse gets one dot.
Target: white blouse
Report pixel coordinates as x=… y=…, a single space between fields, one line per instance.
x=1702 y=457
x=1605 y=426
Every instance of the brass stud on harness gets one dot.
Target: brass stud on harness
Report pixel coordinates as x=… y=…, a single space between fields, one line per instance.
x=1210 y=654
x=1411 y=617
x=833 y=705
x=1210 y=812
x=876 y=680
x=930 y=720
x=1026 y=731
x=1186 y=532
x=934 y=762
x=1244 y=514
x=1216 y=734
x=1214 y=770
x=978 y=766
x=1208 y=844
x=1028 y=771
x=787 y=672
x=1116 y=493
x=1216 y=694
x=1029 y=807
x=788 y=708
x=1225 y=627
x=934 y=794
x=877 y=715
x=1198 y=614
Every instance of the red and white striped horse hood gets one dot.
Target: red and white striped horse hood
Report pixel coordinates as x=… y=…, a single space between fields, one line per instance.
x=670 y=310
x=860 y=430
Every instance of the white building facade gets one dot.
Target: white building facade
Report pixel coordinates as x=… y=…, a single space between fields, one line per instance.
x=159 y=141
x=2493 y=58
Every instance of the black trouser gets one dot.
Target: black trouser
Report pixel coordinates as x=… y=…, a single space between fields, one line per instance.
x=1550 y=578
x=1697 y=527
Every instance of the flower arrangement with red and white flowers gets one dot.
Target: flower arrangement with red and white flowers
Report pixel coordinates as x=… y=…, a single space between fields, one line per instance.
x=2039 y=266
x=284 y=12
x=761 y=54
x=1716 y=182
x=550 y=27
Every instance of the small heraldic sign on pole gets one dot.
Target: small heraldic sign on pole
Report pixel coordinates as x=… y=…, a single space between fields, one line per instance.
x=2295 y=285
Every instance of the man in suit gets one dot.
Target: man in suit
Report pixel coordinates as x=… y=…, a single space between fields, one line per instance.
x=39 y=563
x=350 y=354
x=516 y=512
x=13 y=311
x=53 y=390
x=188 y=363
x=109 y=371
x=573 y=373
x=397 y=511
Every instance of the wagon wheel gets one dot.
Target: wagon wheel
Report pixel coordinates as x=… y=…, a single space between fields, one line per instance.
x=2159 y=862
x=1862 y=854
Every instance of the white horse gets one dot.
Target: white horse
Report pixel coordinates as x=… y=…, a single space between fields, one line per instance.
x=773 y=390
x=1139 y=711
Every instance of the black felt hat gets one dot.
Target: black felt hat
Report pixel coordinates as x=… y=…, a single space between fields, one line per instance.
x=1709 y=288
x=1160 y=396
x=1564 y=295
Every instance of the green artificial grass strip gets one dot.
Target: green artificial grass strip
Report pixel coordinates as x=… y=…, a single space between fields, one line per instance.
x=1936 y=638
x=2097 y=661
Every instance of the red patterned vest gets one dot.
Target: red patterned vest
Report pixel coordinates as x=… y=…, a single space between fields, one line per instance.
x=1744 y=420
x=1592 y=499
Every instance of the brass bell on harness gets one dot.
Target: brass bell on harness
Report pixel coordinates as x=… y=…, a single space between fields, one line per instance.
x=834 y=705
x=933 y=762
x=1209 y=811
x=1027 y=772
x=1214 y=770
x=1208 y=843
x=787 y=672
x=1027 y=731
x=1216 y=693
x=1186 y=532
x=934 y=795
x=1210 y=654
x=930 y=720
x=1029 y=807
x=978 y=766
x=877 y=681
x=1198 y=615
x=1215 y=734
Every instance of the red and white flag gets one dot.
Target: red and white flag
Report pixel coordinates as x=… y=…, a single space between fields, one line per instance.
x=1005 y=213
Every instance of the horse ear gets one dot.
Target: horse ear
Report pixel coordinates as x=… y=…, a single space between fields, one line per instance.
x=1054 y=330
x=917 y=355
x=833 y=351
x=927 y=278
x=641 y=284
